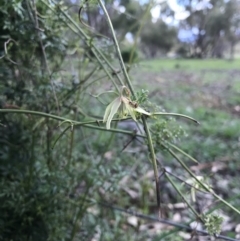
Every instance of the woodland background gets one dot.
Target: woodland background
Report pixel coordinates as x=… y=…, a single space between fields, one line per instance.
x=62 y=180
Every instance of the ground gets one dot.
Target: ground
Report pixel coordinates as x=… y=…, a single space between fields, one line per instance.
x=209 y=91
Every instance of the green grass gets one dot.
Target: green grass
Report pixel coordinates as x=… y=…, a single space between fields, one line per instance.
x=190 y=64
x=207 y=90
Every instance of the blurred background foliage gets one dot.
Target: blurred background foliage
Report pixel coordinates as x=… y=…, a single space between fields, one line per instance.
x=50 y=187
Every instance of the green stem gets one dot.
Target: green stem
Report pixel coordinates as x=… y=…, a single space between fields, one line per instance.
x=117 y=47
x=175 y=114
x=129 y=84
x=35 y=113
x=92 y=46
x=183 y=152
x=132 y=133
x=81 y=211
x=32 y=160
x=182 y=196
x=63 y=132
x=70 y=149
x=64 y=120
x=46 y=65
x=154 y=162
x=198 y=181
x=73 y=123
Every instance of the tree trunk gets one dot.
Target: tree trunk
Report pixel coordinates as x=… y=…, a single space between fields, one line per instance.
x=232 y=45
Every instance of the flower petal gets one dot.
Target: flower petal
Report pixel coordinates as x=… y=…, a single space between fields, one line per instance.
x=114 y=108
x=141 y=110
x=124 y=100
x=107 y=112
x=131 y=110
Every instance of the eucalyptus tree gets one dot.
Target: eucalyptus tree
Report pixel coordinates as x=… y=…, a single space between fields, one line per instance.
x=214 y=23
x=158 y=37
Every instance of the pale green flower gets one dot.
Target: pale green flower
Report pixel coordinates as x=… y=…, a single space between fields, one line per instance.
x=127 y=107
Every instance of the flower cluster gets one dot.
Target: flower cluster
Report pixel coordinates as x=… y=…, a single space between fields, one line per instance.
x=126 y=107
